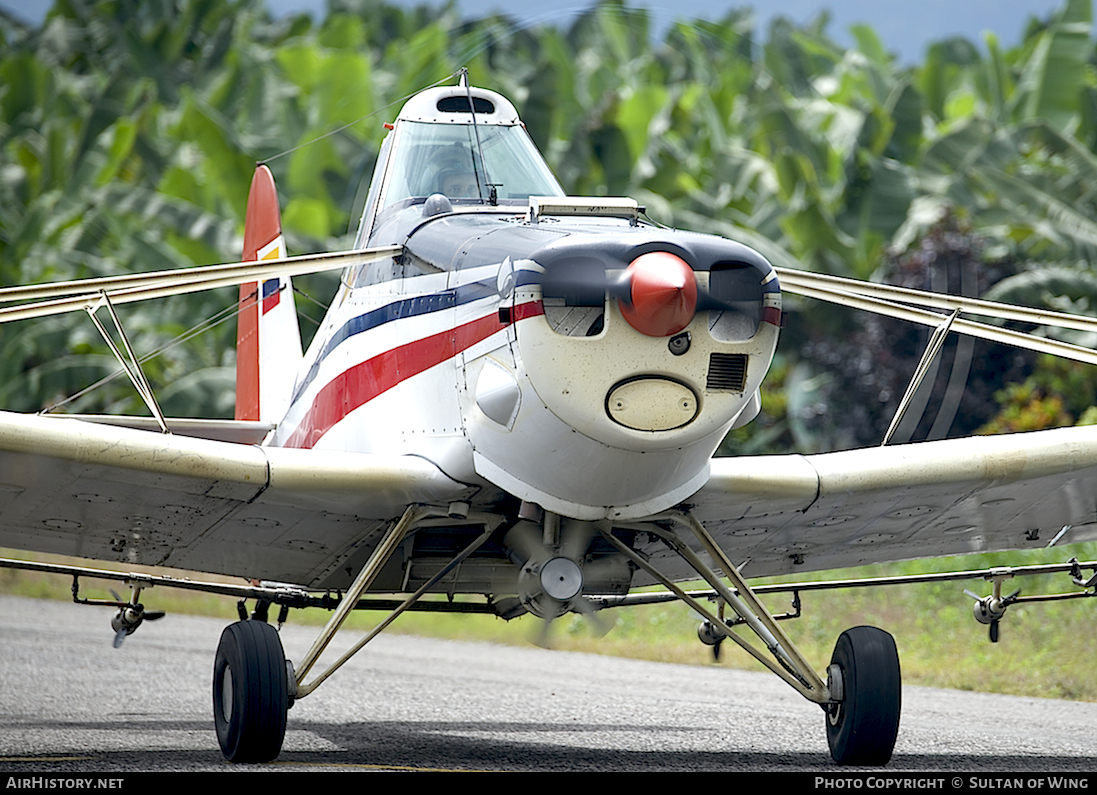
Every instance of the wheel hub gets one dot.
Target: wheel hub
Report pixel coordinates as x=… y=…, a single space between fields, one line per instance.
x=226 y=694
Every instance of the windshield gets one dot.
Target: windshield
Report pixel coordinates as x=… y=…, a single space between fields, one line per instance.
x=433 y=158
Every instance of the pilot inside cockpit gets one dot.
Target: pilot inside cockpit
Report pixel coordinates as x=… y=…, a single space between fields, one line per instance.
x=453 y=173
x=458 y=183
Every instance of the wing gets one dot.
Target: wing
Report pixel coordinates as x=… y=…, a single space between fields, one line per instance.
x=784 y=514
x=139 y=497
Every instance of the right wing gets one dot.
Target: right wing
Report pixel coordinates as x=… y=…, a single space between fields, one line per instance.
x=789 y=513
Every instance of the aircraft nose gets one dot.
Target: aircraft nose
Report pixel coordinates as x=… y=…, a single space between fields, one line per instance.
x=663 y=294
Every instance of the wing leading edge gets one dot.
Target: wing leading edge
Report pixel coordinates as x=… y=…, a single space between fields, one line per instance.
x=131 y=496
x=784 y=514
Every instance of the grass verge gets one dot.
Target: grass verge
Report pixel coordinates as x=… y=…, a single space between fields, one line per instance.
x=940 y=644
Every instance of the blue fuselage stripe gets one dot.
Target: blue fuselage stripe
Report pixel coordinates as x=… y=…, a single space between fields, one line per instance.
x=397 y=310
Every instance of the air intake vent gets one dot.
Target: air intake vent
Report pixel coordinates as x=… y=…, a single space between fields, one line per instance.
x=461 y=105
x=727 y=372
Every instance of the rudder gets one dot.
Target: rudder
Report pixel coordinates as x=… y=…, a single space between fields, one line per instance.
x=268 y=338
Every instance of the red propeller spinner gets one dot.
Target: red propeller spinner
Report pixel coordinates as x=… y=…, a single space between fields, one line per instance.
x=664 y=294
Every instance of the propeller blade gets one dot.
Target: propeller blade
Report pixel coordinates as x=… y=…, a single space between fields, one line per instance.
x=588 y=281
x=130 y=616
x=524 y=540
x=600 y=625
x=707 y=302
x=543 y=637
x=581 y=281
x=575 y=540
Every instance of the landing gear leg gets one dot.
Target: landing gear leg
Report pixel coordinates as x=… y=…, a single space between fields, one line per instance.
x=863 y=724
x=862 y=693
x=250 y=692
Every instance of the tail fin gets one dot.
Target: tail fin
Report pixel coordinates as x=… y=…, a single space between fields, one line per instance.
x=268 y=339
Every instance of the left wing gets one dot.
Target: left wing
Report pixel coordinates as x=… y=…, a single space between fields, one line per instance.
x=783 y=514
x=138 y=497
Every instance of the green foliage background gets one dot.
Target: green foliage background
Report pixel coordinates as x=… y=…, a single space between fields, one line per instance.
x=129 y=131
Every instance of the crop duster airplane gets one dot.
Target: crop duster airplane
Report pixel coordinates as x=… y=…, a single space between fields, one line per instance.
x=516 y=394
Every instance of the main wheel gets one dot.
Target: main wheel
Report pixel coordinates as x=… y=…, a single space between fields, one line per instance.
x=861 y=729
x=250 y=692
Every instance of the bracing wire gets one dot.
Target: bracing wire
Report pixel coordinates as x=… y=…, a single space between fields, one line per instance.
x=359 y=120
x=201 y=327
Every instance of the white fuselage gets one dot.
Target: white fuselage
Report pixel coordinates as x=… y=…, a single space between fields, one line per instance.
x=469 y=369
x=549 y=348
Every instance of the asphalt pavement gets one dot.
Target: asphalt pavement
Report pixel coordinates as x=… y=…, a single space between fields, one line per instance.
x=69 y=702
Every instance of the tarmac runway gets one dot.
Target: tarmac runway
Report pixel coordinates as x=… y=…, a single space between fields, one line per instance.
x=69 y=702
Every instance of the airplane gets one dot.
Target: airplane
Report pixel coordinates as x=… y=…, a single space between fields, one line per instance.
x=514 y=401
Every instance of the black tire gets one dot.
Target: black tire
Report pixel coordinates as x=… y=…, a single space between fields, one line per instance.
x=250 y=692
x=861 y=730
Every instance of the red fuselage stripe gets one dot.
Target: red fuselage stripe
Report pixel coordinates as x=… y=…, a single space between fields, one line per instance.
x=363 y=382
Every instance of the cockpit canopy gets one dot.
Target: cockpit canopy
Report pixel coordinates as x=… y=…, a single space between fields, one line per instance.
x=432 y=158
x=438 y=147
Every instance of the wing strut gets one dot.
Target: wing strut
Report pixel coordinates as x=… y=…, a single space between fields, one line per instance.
x=411 y=520
x=60 y=297
x=797 y=281
x=787 y=661
x=129 y=362
x=812 y=288
x=936 y=340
